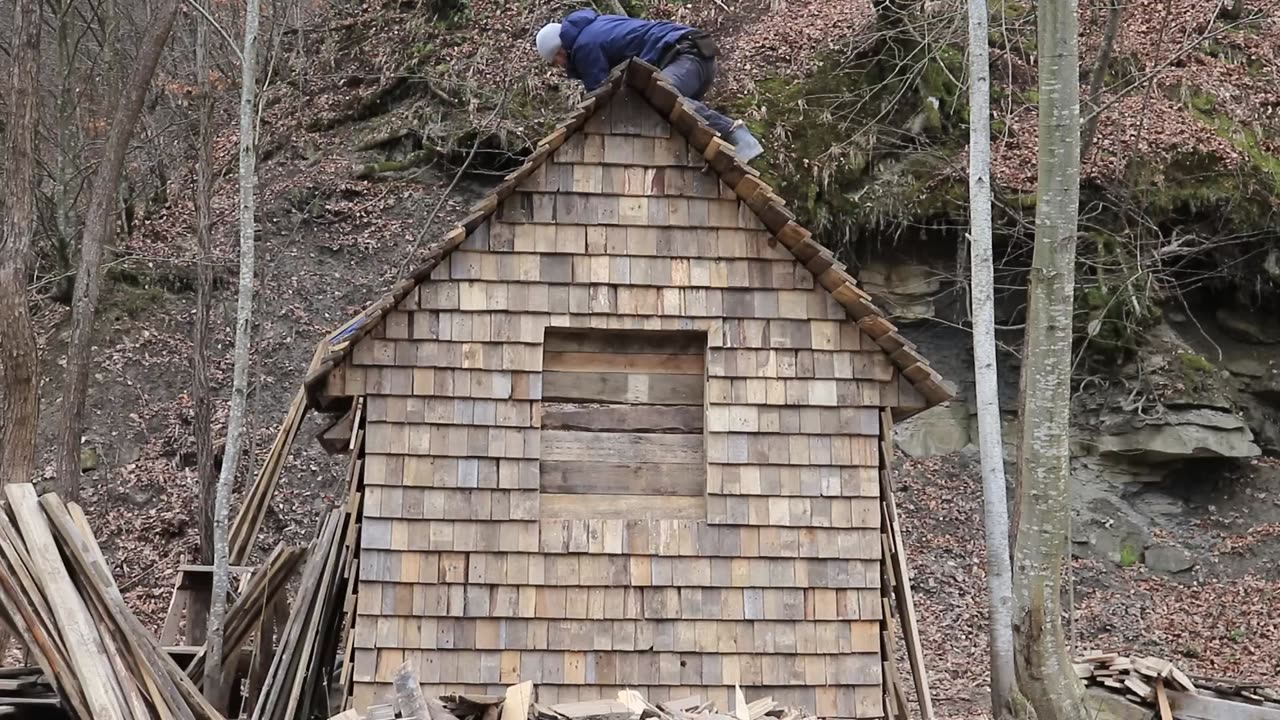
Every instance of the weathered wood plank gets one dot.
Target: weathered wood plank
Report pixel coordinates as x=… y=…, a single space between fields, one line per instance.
x=1187 y=706
x=655 y=389
x=625 y=341
x=87 y=651
x=567 y=445
x=624 y=418
x=669 y=363
x=585 y=477
x=622 y=507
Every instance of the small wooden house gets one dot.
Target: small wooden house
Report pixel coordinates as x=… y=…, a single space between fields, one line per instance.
x=625 y=429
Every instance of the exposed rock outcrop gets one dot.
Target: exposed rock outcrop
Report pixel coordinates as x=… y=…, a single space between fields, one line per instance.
x=1181 y=407
x=1178 y=434
x=936 y=431
x=905 y=290
x=1168 y=559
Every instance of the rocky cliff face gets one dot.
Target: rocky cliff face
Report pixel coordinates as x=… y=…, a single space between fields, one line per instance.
x=1180 y=431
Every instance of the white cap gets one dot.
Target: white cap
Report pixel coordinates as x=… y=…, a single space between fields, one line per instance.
x=548 y=41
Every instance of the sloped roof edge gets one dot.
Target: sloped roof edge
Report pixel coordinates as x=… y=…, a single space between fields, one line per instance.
x=746 y=183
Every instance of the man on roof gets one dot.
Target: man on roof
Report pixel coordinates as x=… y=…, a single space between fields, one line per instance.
x=588 y=46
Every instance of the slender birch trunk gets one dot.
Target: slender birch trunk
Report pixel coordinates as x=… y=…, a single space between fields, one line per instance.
x=100 y=225
x=213 y=675
x=1045 y=675
x=990 y=436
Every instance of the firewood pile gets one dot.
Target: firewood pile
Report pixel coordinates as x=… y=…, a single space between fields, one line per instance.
x=519 y=703
x=57 y=593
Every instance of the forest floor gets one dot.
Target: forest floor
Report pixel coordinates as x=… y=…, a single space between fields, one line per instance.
x=1216 y=620
x=330 y=243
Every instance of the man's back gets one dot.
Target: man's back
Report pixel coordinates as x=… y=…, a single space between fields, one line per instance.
x=596 y=43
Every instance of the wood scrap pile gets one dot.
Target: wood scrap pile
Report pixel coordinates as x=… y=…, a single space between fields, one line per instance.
x=57 y=593
x=519 y=703
x=1135 y=676
x=1156 y=682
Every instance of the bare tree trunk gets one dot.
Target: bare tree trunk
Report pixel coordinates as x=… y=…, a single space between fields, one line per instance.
x=1045 y=675
x=200 y=394
x=1004 y=688
x=213 y=674
x=1099 y=74
x=100 y=224
x=19 y=407
x=64 y=165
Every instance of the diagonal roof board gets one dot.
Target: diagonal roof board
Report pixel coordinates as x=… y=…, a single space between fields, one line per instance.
x=744 y=181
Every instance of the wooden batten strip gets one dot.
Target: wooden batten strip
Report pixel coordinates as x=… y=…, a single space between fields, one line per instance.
x=423 y=271
x=701 y=135
x=555 y=139
x=934 y=391
x=792 y=234
x=877 y=328
x=746 y=188
x=904 y=357
x=661 y=95
x=919 y=373
x=775 y=217
x=806 y=250
x=402 y=288
x=821 y=263
x=639 y=73
x=684 y=118
x=716 y=151
x=724 y=161
x=833 y=279
x=889 y=341
x=733 y=174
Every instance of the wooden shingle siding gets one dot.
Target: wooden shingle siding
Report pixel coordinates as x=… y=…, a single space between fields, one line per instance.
x=825 y=701
x=672 y=513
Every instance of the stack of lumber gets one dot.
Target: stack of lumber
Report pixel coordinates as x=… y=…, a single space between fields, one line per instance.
x=57 y=593
x=1137 y=677
x=1175 y=694
x=24 y=688
x=296 y=683
x=519 y=704
x=245 y=615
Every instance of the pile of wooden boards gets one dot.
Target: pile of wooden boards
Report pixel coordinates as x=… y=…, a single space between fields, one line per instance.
x=244 y=617
x=1137 y=677
x=297 y=682
x=519 y=703
x=57 y=592
x=25 y=688
x=1156 y=682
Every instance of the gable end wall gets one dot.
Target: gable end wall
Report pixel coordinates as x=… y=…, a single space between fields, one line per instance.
x=776 y=589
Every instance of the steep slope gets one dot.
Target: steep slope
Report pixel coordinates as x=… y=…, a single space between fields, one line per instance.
x=375 y=107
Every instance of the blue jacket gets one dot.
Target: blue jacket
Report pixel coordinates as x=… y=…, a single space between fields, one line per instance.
x=596 y=43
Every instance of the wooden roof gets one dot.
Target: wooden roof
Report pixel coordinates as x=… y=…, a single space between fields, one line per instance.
x=744 y=180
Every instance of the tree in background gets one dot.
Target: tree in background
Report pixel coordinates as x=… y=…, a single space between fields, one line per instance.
x=201 y=396
x=1004 y=690
x=1045 y=675
x=19 y=402
x=99 y=229
x=213 y=674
